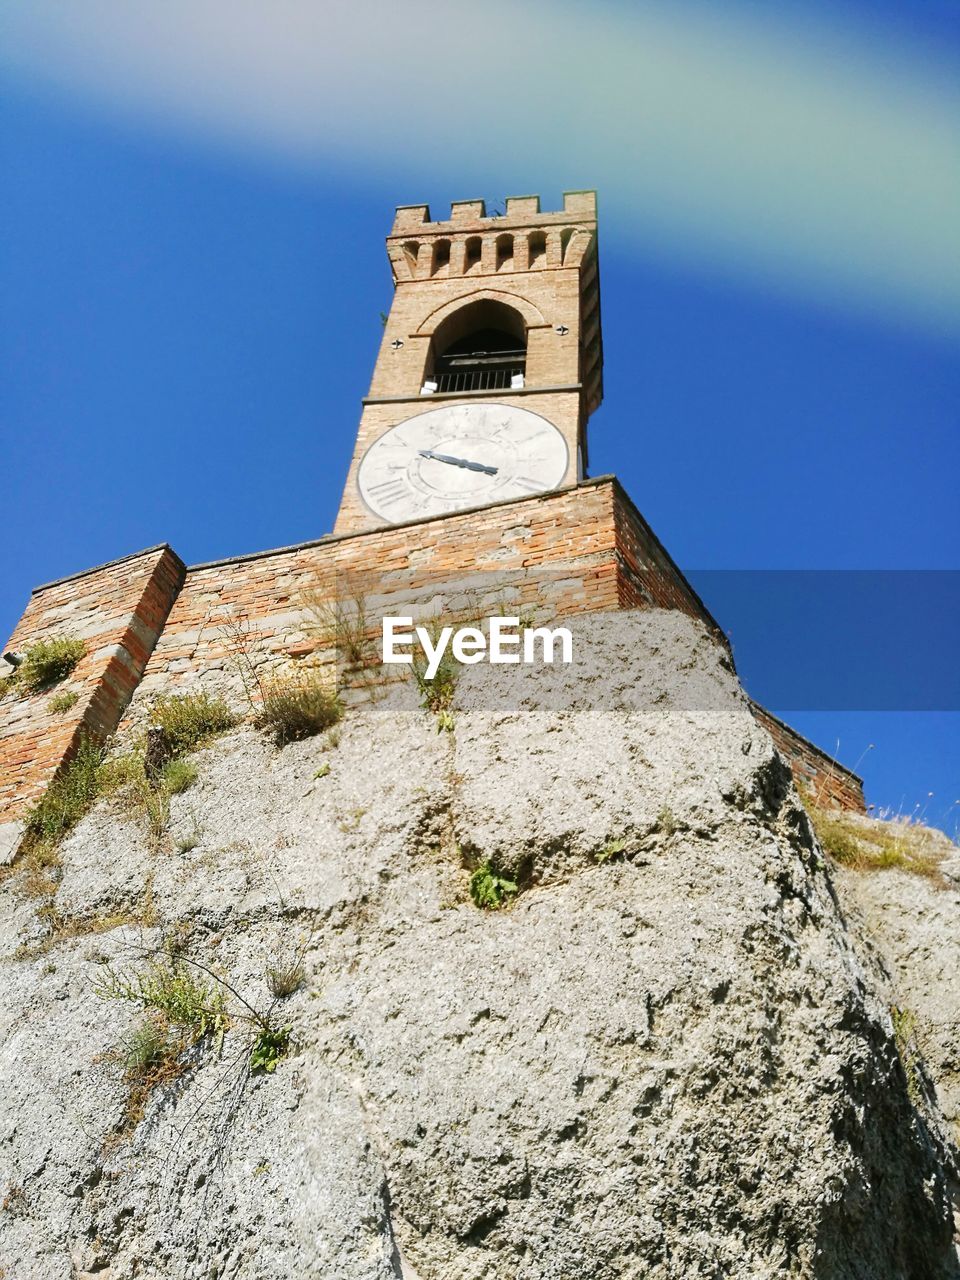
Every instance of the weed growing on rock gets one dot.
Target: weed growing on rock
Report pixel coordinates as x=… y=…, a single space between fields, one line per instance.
x=185 y=1006
x=611 y=849
x=146 y=778
x=905 y=1035
x=283 y=980
x=148 y=1047
x=174 y=994
x=489 y=889
x=41 y=864
x=177 y=775
x=67 y=798
x=47 y=662
x=352 y=821
x=62 y=702
x=188 y=843
x=666 y=821
x=436 y=694
x=269 y=1048
x=190 y=720
x=297 y=707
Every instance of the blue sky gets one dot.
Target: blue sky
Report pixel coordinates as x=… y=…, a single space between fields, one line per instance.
x=192 y=271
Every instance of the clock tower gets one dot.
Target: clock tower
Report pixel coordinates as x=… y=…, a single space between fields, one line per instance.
x=490 y=364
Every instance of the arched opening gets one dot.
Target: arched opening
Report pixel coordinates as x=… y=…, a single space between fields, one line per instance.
x=472 y=254
x=441 y=258
x=481 y=347
x=566 y=235
x=538 y=248
x=504 y=252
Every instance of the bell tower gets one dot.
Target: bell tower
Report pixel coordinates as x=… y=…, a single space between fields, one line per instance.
x=490 y=364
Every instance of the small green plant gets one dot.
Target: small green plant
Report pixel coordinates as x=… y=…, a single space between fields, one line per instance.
x=148 y=1047
x=61 y=702
x=172 y=991
x=611 y=849
x=188 y=843
x=47 y=662
x=322 y=771
x=436 y=692
x=297 y=707
x=177 y=775
x=489 y=889
x=352 y=821
x=189 y=720
x=283 y=980
x=68 y=797
x=147 y=792
x=666 y=821
x=181 y=1011
x=269 y=1048
x=908 y=1047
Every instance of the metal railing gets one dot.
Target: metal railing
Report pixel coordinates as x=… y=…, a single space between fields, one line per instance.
x=483 y=379
x=479 y=370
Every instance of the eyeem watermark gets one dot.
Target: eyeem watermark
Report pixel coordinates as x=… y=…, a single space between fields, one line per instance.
x=504 y=642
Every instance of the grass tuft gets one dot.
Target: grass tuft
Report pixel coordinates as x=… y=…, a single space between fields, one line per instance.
x=177 y=775
x=343 y=624
x=908 y=1047
x=297 y=707
x=61 y=702
x=436 y=693
x=68 y=797
x=284 y=980
x=865 y=844
x=189 y=720
x=47 y=662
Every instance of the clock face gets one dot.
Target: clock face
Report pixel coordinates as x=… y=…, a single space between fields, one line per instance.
x=460 y=456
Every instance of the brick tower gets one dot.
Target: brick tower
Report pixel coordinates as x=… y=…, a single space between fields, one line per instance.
x=490 y=364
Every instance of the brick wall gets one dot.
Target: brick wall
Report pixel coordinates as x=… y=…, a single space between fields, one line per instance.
x=118 y=610
x=152 y=627
x=813 y=770
x=554 y=553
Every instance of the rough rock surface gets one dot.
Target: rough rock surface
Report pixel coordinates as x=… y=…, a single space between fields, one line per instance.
x=671 y=1062
x=913 y=924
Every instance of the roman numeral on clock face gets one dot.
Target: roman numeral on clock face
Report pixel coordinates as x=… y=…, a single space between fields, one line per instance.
x=389 y=492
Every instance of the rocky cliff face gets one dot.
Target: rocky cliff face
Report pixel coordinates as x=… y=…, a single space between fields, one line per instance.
x=669 y=1055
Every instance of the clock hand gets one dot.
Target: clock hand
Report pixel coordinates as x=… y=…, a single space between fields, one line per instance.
x=458 y=462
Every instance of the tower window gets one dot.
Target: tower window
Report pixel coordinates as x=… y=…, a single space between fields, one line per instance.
x=472 y=254
x=482 y=347
x=538 y=248
x=441 y=258
x=566 y=235
x=504 y=252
